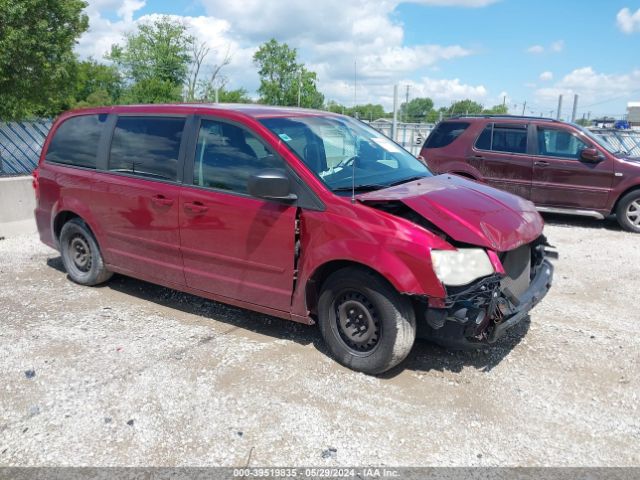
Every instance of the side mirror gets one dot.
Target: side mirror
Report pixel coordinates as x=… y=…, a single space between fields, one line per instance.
x=271 y=183
x=590 y=155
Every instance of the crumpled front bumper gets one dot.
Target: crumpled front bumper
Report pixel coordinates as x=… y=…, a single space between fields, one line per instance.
x=482 y=313
x=537 y=290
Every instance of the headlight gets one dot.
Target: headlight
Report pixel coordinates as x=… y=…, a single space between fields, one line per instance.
x=462 y=266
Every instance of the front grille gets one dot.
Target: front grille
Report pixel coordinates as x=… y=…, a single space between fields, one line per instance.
x=517 y=265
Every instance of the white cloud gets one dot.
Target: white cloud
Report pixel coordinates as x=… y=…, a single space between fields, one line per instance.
x=455 y=3
x=555 y=47
x=628 y=22
x=546 y=76
x=330 y=36
x=601 y=89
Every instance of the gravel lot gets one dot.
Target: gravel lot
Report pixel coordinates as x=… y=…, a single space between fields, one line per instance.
x=134 y=374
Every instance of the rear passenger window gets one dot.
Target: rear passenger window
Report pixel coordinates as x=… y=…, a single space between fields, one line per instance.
x=76 y=141
x=445 y=133
x=503 y=138
x=227 y=155
x=147 y=146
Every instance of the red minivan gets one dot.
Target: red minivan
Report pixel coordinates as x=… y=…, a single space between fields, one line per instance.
x=301 y=214
x=561 y=167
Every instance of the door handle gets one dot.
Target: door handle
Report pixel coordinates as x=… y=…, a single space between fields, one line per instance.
x=541 y=163
x=195 y=207
x=478 y=157
x=162 y=201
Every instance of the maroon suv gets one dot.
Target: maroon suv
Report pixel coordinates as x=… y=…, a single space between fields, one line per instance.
x=561 y=167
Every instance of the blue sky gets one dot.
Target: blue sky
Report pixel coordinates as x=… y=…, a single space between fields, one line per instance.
x=447 y=49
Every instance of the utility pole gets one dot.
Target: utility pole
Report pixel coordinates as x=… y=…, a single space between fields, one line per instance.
x=394 y=125
x=355 y=83
x=575 y=108
x=559 y=108
x=524 y=106
x=406 y=103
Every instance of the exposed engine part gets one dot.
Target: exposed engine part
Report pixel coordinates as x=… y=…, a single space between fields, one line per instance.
x=483 y=309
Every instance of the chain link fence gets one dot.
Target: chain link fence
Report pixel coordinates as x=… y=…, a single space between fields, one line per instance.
x=20 y=146
x=410 y=135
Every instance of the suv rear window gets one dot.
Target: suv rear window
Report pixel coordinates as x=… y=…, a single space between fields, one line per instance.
x=75 y=142
x=503 y=138
x=445 y=133
x=147 y=146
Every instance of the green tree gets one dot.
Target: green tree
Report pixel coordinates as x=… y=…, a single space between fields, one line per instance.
x=335 y=107
x=416 y=110
x=154 y=61
x=584 y=122
x=36 y=55
x=465 y=107
x=283 y=80
x=239 y=95
x=497 y=110
x=367 y=112
x=96 y=84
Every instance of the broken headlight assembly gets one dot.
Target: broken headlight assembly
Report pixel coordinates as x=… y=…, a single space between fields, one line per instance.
x=460 y=267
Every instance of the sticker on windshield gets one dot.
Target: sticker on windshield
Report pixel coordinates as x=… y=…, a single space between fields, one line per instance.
x=285 y=137
x=387 y=144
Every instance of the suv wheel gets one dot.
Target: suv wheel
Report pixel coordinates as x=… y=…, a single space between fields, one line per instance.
x=81 y=255
x=628 y=211
x=367 y=325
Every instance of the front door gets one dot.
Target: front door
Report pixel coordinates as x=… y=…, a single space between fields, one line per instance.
x=501 y=155
x=561 y=179
x=233 y=244
x=137 y=200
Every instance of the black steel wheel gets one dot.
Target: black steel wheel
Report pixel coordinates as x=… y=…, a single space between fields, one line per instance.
x=357 y=322
x=367 y=325
x=81 y=255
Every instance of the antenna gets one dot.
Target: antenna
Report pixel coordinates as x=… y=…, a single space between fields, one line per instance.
x=353 y=180
x=355 y=97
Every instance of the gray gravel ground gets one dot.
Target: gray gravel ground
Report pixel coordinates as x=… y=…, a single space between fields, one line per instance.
x=135 y=374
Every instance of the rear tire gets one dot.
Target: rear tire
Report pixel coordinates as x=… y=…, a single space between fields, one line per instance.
x=367 y=325
x=628 y=211
x=81 y=255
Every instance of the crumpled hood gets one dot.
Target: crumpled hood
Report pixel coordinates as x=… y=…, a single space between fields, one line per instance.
x=467 y=211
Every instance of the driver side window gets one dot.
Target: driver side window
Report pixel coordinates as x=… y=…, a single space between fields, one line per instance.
x=559 y=143
x=227 y=155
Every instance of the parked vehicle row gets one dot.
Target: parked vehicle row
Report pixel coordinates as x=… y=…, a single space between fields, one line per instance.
x=305 y=215
x=561 y=167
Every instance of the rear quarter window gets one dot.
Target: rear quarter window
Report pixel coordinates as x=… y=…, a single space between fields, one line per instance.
x=445 y=133
x=75 y=142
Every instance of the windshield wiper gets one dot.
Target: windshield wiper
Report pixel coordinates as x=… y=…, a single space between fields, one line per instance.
x=406 y=180
x=359 y=188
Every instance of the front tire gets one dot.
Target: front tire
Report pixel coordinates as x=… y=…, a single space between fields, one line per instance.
x=628 y=211
x=81 y=255
x=367 y=325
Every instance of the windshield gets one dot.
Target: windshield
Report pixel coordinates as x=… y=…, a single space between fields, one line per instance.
x=598 y=139
x=343 y=152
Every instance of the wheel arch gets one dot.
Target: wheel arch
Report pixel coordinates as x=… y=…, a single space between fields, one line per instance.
x=316 y=281
x=622 y=195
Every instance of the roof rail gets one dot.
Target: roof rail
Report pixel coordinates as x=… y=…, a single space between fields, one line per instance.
x=481 y=115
